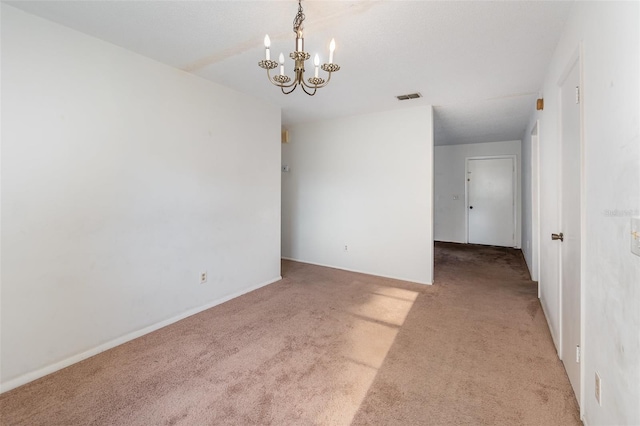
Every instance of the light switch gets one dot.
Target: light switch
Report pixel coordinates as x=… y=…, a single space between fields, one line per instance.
x=285 y=168
x=635 y=235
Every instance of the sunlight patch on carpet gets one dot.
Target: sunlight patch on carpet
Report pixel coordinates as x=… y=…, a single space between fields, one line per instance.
x=374 y=326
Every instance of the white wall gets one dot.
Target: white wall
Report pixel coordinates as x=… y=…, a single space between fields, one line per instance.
x=610 y=35
x=365 y=182
x=526 y=208
x=122 y=180
x=449 y=165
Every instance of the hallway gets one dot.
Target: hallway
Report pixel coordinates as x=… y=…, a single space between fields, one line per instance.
x=494 y=351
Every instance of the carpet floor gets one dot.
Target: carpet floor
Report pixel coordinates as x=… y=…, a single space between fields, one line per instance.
x=329 y=347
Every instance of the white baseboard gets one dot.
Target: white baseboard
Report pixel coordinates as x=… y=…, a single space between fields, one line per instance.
x=31 y=376
x=357 y=271
x=450 y=241
x=553 y=336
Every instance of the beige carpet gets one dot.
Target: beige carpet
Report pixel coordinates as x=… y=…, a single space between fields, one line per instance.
x=330 y=347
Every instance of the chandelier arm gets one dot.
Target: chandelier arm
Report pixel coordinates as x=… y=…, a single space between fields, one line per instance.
x=328 y=79
x=305 y=84
x=293 y=83
x=311 y=86
x=305 y=90
x=286 y=93
x=319 y=86
x=275 y=83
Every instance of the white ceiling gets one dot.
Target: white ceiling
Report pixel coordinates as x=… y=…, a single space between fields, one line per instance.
x=479 y=63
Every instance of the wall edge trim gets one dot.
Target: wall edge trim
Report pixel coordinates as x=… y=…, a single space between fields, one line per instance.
x=52 y=368
x=358 y=271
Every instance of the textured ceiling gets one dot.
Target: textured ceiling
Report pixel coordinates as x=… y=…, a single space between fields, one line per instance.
x=480 y=64
x=489 y=120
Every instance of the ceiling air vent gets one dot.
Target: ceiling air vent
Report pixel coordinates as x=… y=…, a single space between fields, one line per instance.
x=409 y=96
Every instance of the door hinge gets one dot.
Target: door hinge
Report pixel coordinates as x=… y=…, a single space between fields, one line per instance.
x=578 y=353
x=577 y=94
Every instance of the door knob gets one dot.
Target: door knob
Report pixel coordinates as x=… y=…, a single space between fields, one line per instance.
x=559 y=236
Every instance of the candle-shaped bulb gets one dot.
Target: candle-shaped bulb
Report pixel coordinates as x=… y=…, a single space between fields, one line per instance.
x=316 y=62
x=267 y=43
x=299 y=41
x=281 y=60
x=332 y=48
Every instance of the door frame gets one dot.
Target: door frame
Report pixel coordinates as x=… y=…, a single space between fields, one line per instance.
x=514 y=178
x=577 y=59
x=535 y=204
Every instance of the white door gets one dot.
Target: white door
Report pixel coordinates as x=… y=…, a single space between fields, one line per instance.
x=570 y=226
x=491 y=201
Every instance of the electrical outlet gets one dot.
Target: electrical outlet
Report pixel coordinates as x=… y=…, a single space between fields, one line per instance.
x=598 y=389
x=346 y=247
x=203 y=277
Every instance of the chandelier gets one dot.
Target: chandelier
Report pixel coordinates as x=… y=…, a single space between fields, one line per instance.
x=299 y=56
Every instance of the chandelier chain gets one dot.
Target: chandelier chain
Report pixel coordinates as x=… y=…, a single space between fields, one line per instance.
x=297 y=21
